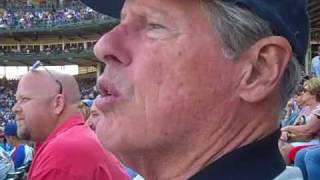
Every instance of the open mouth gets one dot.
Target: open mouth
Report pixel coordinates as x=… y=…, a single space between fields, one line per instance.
x=108 y=95
x=106 y=89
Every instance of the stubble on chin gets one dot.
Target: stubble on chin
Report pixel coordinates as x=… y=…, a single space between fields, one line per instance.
x=23 y=132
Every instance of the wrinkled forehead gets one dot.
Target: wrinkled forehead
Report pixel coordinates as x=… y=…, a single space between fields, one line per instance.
x=156 y=7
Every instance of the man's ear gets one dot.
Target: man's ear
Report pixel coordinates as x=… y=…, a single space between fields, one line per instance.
x=59 y=104
x=265 y=64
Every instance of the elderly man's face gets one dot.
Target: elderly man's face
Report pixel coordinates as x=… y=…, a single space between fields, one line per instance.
x=166 y=76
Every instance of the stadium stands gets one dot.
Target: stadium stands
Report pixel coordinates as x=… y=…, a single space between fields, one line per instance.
x=7 y=99
x=28 y=16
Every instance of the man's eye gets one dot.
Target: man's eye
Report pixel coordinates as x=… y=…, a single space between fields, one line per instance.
x=157 y=31
x=152 y=26
x=23 y=99
x=94 y=114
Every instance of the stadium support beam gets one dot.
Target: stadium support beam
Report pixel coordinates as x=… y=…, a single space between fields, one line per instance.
x=99 y=68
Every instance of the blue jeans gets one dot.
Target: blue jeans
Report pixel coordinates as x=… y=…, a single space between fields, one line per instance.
x=308 y=160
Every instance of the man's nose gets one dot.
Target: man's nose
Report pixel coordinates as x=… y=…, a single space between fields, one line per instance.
x=16 y=108
x=114 y=46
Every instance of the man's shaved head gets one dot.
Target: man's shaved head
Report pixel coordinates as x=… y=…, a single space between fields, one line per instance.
x=40 y=106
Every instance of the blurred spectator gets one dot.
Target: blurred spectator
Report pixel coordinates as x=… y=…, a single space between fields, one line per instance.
x=308 y=160
x=295 y=108
x=6 y=164
x=304 y=132
x=87 y=87
x=7 y=99
x=95 y=115
x=85 y=108
x=3 y=143
x=21 y=153
x=315 y=66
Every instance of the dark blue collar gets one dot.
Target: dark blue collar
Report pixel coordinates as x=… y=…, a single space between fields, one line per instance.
x=257 y=161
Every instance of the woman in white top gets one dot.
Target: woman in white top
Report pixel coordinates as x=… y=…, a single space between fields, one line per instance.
x=304 y=133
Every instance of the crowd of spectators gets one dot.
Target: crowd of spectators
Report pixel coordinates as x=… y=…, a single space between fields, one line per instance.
x=29 y=16
x=88 y=87
x=8 y=89
x=7 y=99
x=300 y=129
x=45 y=52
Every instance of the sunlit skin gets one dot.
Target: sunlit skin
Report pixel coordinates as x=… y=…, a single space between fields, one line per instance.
x=309 y=99
x=168 y=87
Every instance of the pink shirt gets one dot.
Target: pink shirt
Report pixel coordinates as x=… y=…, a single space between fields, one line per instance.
x=72 y=152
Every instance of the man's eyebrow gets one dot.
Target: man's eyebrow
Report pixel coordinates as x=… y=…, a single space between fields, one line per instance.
x=152 y=12
x=157 y=13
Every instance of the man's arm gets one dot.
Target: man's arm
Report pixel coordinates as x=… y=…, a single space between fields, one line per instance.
x=307 y=130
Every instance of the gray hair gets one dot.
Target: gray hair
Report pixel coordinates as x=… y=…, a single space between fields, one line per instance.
x=246 y=29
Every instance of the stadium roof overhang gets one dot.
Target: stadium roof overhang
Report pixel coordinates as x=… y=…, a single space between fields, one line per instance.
x=81 y=59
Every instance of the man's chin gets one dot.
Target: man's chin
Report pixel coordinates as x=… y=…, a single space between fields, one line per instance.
x=23 y=133
x=108 y=140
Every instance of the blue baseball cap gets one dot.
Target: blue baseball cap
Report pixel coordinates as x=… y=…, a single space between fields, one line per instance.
x=87 y=102
x=10 y=128
x=288 y=18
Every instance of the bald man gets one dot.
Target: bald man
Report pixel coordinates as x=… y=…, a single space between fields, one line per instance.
x=47 y=111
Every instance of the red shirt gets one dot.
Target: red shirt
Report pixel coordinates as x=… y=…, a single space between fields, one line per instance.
x=72 y=152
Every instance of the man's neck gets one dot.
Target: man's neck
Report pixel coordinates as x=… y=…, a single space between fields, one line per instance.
x=67 y=113
x=184 y=162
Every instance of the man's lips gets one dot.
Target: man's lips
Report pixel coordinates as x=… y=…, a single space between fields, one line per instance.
x=104 y=102
x=108 y=95
x=19 y=119
x=107 y=89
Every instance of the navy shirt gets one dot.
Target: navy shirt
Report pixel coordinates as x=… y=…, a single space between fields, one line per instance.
x=256 y=161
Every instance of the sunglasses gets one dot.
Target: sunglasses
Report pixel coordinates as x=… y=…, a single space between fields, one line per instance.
x=37 y=65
